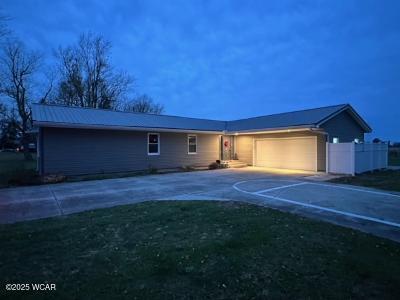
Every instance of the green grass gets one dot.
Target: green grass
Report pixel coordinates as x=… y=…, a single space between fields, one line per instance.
x=197 y=250
x=15 y=170
x=386 y=180
x=394 y=159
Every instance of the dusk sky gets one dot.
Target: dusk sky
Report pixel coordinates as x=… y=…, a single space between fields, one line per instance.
x=235 y=59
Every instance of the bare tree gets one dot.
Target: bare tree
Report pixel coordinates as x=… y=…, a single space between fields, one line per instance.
x=3 y=116
x=87 y=76
x=9 y=128
x=144 y=104
x=17 y=71
x=3 y=109
x=3 y=26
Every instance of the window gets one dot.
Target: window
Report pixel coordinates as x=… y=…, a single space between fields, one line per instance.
x=357 y=141
x=192 y=144
x=153 y=144
x=335 y=140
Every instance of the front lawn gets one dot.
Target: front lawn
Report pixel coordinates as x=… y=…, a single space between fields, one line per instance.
x=386 y=180
x=15 y=170
x=394 y=159
x=197 y=250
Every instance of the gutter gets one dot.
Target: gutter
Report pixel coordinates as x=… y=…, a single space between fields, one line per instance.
x=124 y=128
x=272 y=130
x=177 y=130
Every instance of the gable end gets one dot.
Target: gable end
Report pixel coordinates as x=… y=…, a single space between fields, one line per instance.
x=344 y=127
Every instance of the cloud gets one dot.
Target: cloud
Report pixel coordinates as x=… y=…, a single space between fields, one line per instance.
x=232 y=59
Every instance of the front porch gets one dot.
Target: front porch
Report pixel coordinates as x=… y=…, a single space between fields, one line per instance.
x=235 y=163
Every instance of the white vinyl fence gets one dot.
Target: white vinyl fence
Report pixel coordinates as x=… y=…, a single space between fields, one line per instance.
x=352 y=158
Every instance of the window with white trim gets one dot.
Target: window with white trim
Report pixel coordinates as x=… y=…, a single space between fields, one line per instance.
x=192 y=144
x=153 y=143
x=335 y=140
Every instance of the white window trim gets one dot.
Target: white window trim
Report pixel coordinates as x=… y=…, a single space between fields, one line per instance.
x=148 y=143
x=191 y=135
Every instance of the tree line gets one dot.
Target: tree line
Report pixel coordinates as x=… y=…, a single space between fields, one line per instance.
x=82 y=76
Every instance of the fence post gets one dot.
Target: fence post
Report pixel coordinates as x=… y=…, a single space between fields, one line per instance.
x=327 y=157
x=371 y=156
x=353 y=158
x=386 y=154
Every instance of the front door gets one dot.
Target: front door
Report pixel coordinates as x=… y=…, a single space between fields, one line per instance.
x=227 y=147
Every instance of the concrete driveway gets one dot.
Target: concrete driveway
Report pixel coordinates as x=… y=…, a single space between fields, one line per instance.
x=366 y=209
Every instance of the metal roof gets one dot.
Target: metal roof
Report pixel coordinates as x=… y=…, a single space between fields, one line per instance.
x=309 y=117
x=67 y=116
x=53 y=114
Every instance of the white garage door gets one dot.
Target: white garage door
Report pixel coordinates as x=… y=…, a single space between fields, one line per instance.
x=287 y=153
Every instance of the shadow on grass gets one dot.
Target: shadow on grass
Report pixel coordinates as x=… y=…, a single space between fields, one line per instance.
x=19 y=177
x=198 y=250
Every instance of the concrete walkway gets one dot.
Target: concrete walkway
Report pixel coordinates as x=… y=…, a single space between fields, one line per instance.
x=369 y=210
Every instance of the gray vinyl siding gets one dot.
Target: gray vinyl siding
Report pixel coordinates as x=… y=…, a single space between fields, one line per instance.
x=86 y=151
x=40 y=151
x=244 y=146
x=344 y=127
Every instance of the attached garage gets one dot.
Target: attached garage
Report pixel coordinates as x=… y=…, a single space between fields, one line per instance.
x=298 y=153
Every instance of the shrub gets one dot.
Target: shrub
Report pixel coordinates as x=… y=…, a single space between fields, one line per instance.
x=188 y=168
x=214 y=165
x=53 y=178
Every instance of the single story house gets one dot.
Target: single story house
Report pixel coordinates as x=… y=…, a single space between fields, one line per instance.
x=74 y=140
